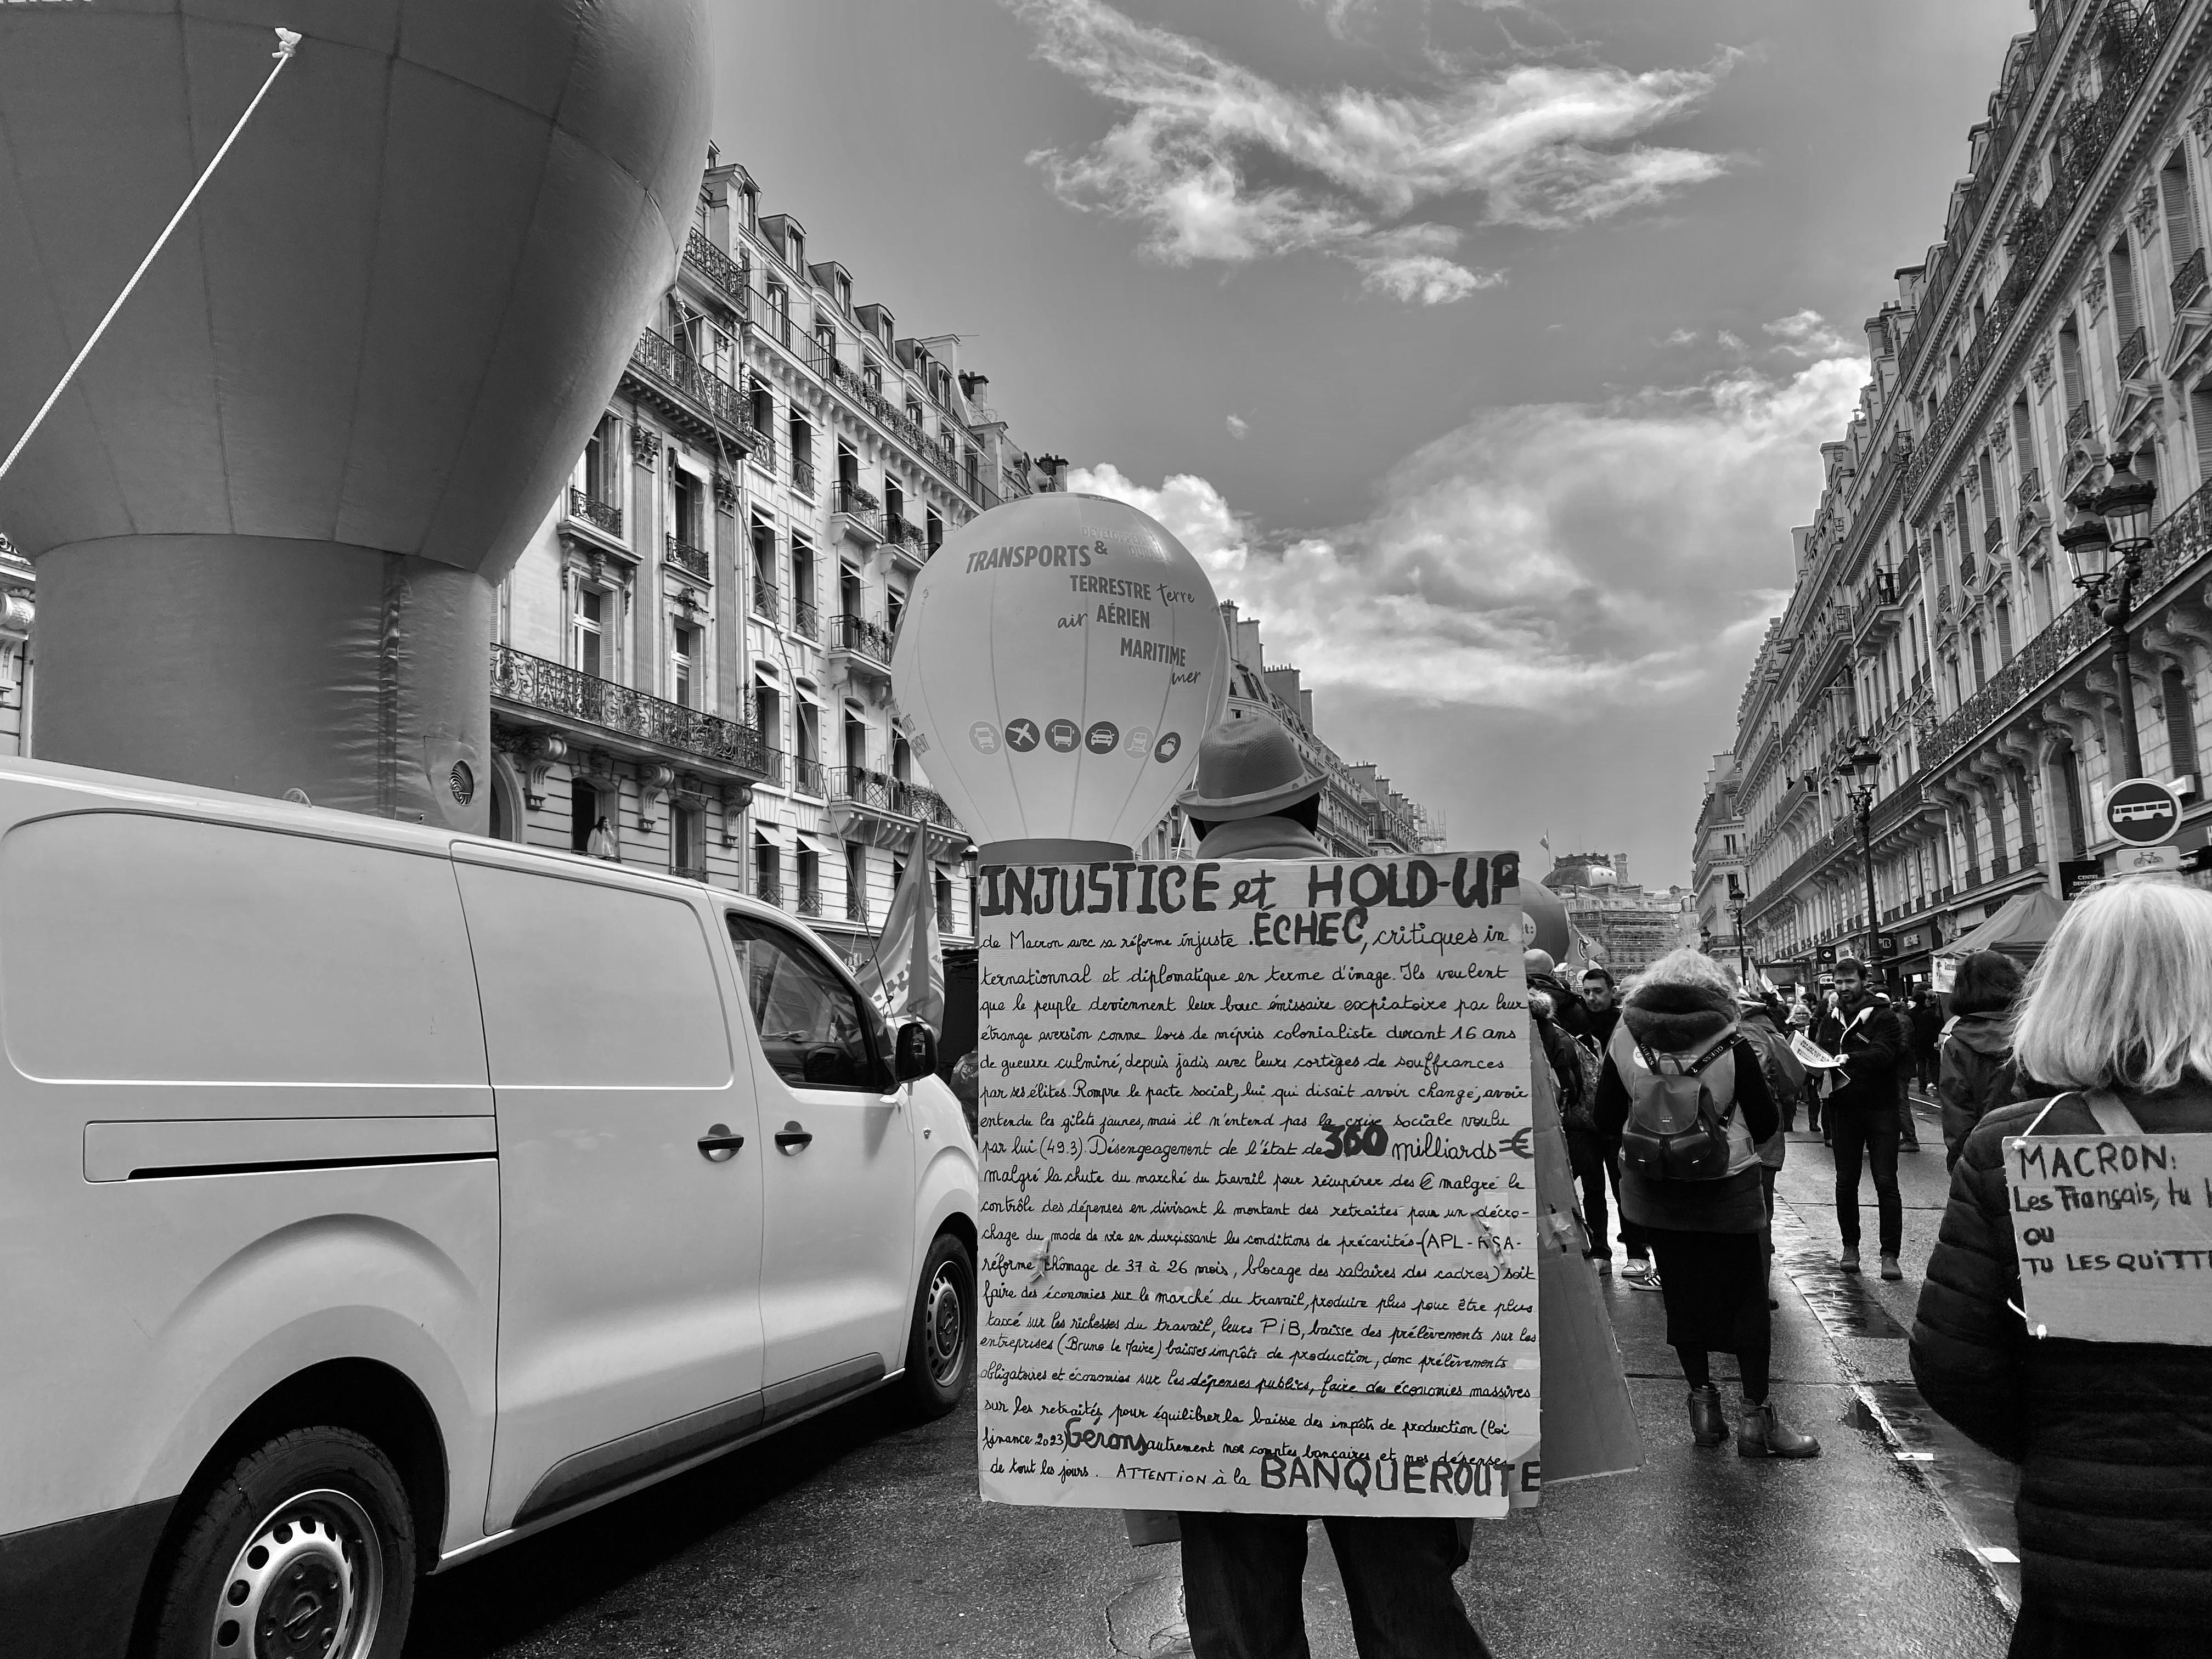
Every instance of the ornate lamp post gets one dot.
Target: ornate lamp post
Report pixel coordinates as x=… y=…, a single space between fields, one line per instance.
x=1742 y=945
x=1857 y=772
x=2106 y=541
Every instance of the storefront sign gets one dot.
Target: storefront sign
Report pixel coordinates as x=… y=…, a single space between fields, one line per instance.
x=1258 y=1216
x=2115 y=1236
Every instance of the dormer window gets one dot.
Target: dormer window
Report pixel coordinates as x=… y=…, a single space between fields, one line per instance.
x=794 y=248
x=842 y=289
x=749 y=207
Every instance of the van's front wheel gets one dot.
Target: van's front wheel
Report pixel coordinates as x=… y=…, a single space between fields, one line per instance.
x=940 y=1351
x=305 y=1551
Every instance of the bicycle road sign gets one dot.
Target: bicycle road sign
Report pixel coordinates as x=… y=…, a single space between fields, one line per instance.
x=2142 y=813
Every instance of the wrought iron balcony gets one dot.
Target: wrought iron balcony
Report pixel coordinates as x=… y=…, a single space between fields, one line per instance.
x=907 y=537
x=857 y=511
x=856 y=907
x=2031 y=485
x=802 y=475
x=2081 y=424
x=584 y=699
x=879 y=792
x=684 y=386
x=869 y=641
x=769 y=890
x=600 y=514
x=807 y=776
x=806 y=622
x=2135 y=353
x=688 y=872
x=767 y=602
x=2189 y=281
x=810 y=901
x=776 y=768
x=692 y=561
x=732 y=279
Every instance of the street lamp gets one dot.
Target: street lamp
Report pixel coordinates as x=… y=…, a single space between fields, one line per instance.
x=2106 y=542
x=1861 y=765
x=1743 y=947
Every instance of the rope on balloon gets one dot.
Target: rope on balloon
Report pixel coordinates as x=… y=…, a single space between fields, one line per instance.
x=287 y=42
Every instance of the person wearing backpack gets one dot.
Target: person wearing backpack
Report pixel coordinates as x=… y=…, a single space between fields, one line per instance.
x=1685 y=1089
x=1975 y=1074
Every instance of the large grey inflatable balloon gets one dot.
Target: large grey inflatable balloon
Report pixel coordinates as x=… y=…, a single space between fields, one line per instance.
x=268 y=515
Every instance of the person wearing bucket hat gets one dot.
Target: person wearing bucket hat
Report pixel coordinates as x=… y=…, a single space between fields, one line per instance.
x=1255 y=797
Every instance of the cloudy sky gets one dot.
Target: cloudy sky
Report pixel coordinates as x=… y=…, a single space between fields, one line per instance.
x=1481 y=349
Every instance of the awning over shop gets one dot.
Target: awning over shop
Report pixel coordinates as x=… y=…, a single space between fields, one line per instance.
x=2021 y=927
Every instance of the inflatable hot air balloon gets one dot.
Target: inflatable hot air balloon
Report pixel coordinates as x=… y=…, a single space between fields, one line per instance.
x=1544 y=919
x=1061 y=657
x=268 y=512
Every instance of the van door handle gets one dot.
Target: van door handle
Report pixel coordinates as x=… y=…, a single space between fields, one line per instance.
x=718 y=1145
x=791 y=1138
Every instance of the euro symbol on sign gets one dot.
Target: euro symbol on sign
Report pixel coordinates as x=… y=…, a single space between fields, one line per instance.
x=1521 y=1143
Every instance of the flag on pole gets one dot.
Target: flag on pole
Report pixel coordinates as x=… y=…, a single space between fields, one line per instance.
x=906 y=978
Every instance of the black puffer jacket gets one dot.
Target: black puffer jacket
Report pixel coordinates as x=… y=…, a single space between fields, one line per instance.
x=1975 y=1077
x=2115 y=1439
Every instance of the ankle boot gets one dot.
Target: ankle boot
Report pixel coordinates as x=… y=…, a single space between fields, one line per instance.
x=1850 y=1263
x=1707 y=1426
x=1765 y=1435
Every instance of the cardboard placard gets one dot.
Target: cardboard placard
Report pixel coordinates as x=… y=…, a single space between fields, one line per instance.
x=1258 y=1187
x=2114 y=1235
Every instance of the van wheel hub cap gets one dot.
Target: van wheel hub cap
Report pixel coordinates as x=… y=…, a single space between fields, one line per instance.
x=945 y=1325
x=307 y=1585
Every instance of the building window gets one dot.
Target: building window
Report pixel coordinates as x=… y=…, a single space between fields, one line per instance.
x=688 y=498
x=2200 y=427
x=2004 y=632
x=768 y=871
x=685 y=841
x=683 y=666
x=2179 y=203
x=587 y=631
x=2070 y=768
x=803 y=619
x=810 y=881
x=602 y=478
x=2121 y=267
x=932 y=530
x=2180 y=720
x=1974 y=650
x=763 y=413
x=805 y=743
x=856 y=883
x=944 y=904
x=583 y=815
x=749 y=207
x=856 y=743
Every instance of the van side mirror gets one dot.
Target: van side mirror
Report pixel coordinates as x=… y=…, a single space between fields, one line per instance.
x=915 y=1052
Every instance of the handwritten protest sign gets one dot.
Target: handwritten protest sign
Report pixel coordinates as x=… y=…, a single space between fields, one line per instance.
x=1257 y=1188
x=2115 y=1235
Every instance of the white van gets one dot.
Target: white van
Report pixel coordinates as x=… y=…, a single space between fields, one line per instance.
x=373 y=1196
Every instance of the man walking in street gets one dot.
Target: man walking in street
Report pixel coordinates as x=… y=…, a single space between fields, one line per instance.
x=1861 y=1111
x=1254 y=799
x=1601 y=1004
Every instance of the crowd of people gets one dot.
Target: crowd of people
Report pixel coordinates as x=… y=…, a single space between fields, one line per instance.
x=1677 y=1091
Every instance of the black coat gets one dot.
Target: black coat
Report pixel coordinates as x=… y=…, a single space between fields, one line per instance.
x=2114 y=1439
x=1975 y=1076
x=1870 y=1048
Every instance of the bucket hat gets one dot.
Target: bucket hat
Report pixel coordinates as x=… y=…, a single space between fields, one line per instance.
x=1248 y=769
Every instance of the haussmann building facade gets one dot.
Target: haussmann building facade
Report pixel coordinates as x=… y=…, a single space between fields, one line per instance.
x=2063 y=317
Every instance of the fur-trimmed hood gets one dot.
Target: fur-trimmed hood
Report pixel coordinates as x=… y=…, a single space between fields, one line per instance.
x=1670 y=1016
x=1541 y=1005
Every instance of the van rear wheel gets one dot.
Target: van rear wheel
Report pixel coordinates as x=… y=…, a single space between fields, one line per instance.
x=940 y=1351
x=306 y=1550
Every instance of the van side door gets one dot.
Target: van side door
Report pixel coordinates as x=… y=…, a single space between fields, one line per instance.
x=837 y=1176
x=629 y=1331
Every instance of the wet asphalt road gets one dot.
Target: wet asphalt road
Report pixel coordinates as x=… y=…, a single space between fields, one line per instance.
x=859 y=1534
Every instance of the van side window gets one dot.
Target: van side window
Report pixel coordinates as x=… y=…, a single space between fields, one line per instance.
x=811 y=1023
x=170 y=950
x=588 y=986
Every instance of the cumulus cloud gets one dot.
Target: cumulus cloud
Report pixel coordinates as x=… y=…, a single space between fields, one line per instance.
x=1537 y=144
x=1564 y=558
x=1806 y=334
x=1238 y=426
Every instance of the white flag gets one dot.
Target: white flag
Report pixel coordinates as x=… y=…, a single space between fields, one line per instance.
x=906 y=976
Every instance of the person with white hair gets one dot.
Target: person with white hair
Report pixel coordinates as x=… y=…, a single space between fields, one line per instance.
x=2114 y=1439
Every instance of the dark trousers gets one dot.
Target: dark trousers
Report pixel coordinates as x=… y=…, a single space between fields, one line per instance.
x=1908 y=1132
x=1631 y=1236
x=1242 y=1576
x=1586 y=1156
x=1862 y=1136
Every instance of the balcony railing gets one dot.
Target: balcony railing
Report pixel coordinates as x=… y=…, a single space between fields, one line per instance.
x=2134 y=352
x=2081 y=424
x=904 y=533
x=858 y=508
x=863 y=638
x=802 y=475
x=2189 y=281
x=807 y=776
x=602 y=515
x=810 y=901
x=2031 y=485
x=732 y=279
x=767 y=602
x=557 y=688
x=661 y=361
x=856 y=907
x=857 y=786
x=693 y=561
x=777 y=767
x=2183 y=537
x=769 y=890
x=1993 y=537
x=806 y=622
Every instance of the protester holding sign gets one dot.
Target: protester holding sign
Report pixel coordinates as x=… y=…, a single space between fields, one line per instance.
x=2114 y=1437
x=1685 y=1090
